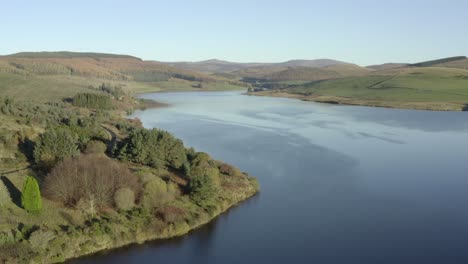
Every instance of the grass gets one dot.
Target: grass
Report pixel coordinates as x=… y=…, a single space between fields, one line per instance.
x=421 y=88
x=178 y=85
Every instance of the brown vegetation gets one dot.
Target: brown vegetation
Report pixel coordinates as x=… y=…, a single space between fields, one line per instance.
x=94 y=178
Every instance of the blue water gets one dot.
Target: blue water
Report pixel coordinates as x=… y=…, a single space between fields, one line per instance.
x=339 y=184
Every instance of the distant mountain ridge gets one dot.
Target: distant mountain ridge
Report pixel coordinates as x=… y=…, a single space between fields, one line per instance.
x=67 y=54
x=221 y=66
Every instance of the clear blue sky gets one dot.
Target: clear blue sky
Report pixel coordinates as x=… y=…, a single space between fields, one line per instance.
x=360 y=31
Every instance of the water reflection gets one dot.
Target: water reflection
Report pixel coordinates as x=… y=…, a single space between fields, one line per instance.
x=339 y=184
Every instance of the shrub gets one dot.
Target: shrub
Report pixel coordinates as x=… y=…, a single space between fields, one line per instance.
x=40 y=239
x=157 y=192
x=4 y=194
x=54 y=145
x=171 y=214
x=95 y=147
x=31 y=197
x=87 y=205
x=93 y=179
x=227 y=169
x=156 y=148
x=124 y=199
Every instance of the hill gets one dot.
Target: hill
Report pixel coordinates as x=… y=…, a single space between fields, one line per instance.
x=220 y=66
x=62 y=74
x=315 y=74
x=458 y=64
x=387 y=66
x=432 y=88
x=74 y=179
x=68 y=54
x=437 y=62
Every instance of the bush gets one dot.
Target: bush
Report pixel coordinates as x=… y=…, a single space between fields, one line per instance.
x=156 y=148
x=95 y=147
x=4 y=194
x=157 y=192
x=171 y=214
x=93 y=179
x=55 y=145
x=124 y=199
x=227 y=169
x=31 y=197
x=40 y=239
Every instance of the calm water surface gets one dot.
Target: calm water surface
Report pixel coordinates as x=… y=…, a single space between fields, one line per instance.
x=339 y=184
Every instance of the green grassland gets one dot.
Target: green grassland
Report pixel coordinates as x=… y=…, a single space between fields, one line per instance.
x=431 y=88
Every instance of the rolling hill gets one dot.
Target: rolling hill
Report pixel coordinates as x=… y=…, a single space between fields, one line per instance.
x=387 y=66
x=315 y=74
x=438 y=62
x=441 y=86
x=220 y=66
x=61 y=74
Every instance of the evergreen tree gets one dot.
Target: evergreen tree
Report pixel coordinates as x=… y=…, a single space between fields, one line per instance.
x=31 y=197
x=156 y=148
x=55 y=145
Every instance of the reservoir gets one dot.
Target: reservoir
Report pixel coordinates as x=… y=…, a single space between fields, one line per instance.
x=339 y=184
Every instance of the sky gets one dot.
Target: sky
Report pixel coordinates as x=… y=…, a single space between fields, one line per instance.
x=364 y=32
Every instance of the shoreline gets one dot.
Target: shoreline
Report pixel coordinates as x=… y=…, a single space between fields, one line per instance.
x=168 y=234
x=423 y=106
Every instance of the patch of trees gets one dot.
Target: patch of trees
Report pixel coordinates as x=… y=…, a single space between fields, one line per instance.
x=93 y=101
x=92 y=182
x=155 y=148
x=65 y=141
x=115 y=91
x=150 y=76
x=204 y=180
x=55 y=145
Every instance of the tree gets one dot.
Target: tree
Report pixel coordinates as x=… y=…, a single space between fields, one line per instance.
x=203 y=191
x=31 y=197
x=55 y=145
x=156 y=148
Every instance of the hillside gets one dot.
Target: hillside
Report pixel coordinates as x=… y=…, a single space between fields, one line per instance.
x=219 y=66
x=315 y=74
x=61 y=74
x=458 y=64
x=78 y=177
x=387 y=66
x=432 y=63
x=433 y=88
x=68 y=54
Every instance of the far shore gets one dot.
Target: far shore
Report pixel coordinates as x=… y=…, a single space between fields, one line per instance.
x=428 y=106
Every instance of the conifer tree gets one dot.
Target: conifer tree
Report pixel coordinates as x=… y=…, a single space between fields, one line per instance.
x=31 y=197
